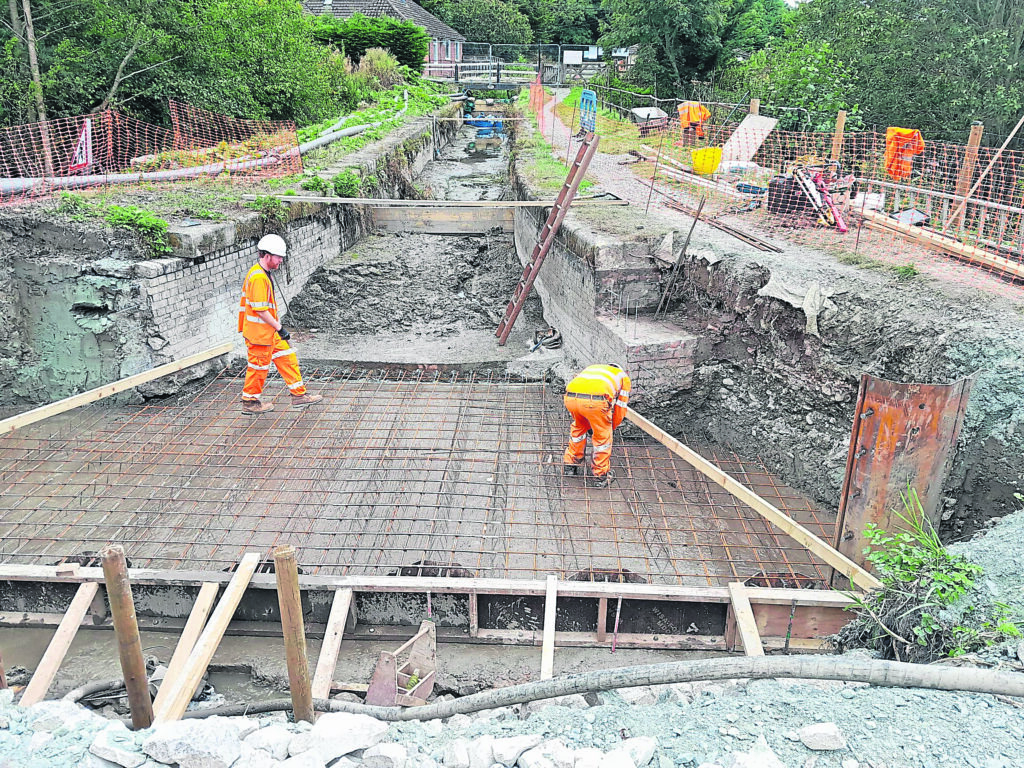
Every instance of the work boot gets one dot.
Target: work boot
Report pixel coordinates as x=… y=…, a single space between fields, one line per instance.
x=256 y=407
x=602 y=481
x=570 y=469
x=306 y=399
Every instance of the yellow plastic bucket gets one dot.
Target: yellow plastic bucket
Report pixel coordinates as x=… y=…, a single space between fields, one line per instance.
x=707 y=160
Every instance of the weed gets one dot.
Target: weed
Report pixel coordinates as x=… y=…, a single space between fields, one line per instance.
x=271 y=210
x=858 y=260
x=150 y=228
x=905 y=271
x=75 y=207
x=317 y=184
x=347 y=183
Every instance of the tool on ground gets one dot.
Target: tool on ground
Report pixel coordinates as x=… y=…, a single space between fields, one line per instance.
x=547 y=235
x=408 y=683
x=549 y=339
x=817 y=189
x=671 y=284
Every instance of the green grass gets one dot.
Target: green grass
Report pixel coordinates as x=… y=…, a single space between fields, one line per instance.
x=900 y=271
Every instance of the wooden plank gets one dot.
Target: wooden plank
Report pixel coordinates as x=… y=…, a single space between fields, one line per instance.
x=440 y=221
x=187 y=641
x=746 y=140
x=936 y=240
x=602 y=619
x=981 y=177
x=809 y=622
x=772 y=514
x=182 y=689
x=547 y=654
x=837 y=136
x=331 y=646
x=59 y=644
x=400 y=203
x=746 y=626
x=106 y=390
x=474 y=614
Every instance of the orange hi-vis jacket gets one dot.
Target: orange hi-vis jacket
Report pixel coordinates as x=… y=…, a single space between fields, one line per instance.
x=607 y=380
x=693 y=113
x=901 y=144
x=257 y=296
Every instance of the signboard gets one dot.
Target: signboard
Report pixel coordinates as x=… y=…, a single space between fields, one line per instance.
x=588 y=110
x=572 y=57
x=83 y=150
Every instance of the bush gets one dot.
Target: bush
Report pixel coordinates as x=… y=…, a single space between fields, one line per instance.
x=382 y=67
x=356 y=35
x=347 y=184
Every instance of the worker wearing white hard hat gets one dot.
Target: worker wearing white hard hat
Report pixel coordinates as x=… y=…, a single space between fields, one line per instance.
x=265 y=338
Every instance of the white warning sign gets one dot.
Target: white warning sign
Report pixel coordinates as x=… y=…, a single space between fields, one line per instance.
x=83 y=150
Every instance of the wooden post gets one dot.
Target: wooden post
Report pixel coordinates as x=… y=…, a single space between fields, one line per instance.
x=126 y=629
x=743 y=615
x=290 y=599
x=837 y=137
x=755 y=106
x=547 y=653
x=963 y=178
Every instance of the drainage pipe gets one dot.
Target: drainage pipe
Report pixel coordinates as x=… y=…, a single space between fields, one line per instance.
x=28 y=185
x=883 y=673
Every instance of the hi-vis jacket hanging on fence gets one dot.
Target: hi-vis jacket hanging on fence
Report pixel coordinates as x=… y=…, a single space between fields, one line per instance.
x=901 y=145
x=693 y=113
x=597 y=399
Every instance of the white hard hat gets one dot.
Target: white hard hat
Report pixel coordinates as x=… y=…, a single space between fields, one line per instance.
x=273 y=244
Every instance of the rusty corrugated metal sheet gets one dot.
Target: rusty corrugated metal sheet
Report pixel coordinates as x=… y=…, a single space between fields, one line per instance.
x=902 y=434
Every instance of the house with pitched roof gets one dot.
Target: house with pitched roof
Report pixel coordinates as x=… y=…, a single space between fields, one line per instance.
x=445 y=42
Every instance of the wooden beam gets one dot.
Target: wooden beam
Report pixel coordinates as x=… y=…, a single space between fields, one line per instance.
x=602 y=619
x=474 y=614
x=944 y=243
x=963 y=178
x=52 y=409
x=746 y=627
x=289 y=599
x=182 y=689
x=59 y=644
x=547 y=654
x=772 y=514
x=837 y=136
x=331 y=646
x=395 y=203
x=981 y=178
x=755 y=106
x=187 y=641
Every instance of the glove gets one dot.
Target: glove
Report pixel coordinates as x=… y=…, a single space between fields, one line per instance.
x=283 y=333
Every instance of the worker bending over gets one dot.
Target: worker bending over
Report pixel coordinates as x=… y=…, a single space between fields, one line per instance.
x=597 y=399
x=265 y=337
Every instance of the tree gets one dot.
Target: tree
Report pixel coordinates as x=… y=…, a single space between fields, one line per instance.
x=487 y=21
x=406 y=41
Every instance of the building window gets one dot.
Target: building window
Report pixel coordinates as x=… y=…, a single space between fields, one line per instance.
x=447 y=50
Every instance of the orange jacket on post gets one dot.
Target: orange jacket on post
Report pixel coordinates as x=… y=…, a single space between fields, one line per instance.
x=901 y=145
x=257 y=296
x=693 y=113
x=608 y=380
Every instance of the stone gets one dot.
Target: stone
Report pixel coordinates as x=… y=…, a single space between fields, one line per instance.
x=481 y=752
x=118 y=745
x=573 y=701
x=759 y=756
x=535 y=758
x=51 y=715
x=459 y=721
x=338 y=733
x=588 y=757
x=208 y=743
x=850 y=763
x=309 y=759
x=640 y=696
x=617 y=758
x=456 y=754
x=822 y=737
x=91 y=761
x=640 y=749
x=507 y=751
x=386 y=756
x=254 y=758
x=272 y=739
x=559 y=754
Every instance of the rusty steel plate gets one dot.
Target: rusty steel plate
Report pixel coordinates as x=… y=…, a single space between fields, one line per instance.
x=903 y=434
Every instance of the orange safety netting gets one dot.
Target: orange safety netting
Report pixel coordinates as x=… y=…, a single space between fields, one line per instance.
x=40 y=159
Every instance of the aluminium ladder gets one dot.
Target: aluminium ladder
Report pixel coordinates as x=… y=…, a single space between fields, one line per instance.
x=547 y=235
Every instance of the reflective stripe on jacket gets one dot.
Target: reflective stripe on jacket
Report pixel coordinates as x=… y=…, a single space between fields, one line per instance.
x=257 y=296
x=607 y=380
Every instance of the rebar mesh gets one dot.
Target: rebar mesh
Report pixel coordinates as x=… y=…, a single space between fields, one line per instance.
x=395 y=471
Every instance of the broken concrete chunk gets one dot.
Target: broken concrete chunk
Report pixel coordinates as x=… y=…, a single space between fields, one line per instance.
x=617 y=759
x=822 y=737
x=254 y=758
x=640 y=696
x=574 y=701
x=589 y=757
x=339 y=733
x=456 y=754
x=507 y=751
x=759 y=756
x=118 y=745
x=641 y=749
x=272 y=739
x=559 y=754
x=535 y=758
x=307 y=760
x=388 y=756
x=209 y=743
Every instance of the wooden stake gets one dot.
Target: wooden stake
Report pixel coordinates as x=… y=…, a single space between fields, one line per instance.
x=126 y=629
x=547 y=653
x=837 y=137
x=963 y=179
x=187 y=641
x=743 y=614
x=816 y=545
x=182 y=689
x=755 y=106
x=59 y=644
x=331 y=645
x=290 y=599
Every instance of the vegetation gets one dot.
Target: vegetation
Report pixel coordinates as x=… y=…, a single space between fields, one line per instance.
x=358 y=34
x=149 y=229
x=917 y=615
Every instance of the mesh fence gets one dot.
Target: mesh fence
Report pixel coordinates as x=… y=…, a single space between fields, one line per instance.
x=40 y=159
x=891 y=197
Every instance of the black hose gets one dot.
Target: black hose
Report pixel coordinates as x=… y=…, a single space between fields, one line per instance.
x=884 y=673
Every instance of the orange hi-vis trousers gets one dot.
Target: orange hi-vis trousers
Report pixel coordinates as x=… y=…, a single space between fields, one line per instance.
x=590 y=412
x=261 y=357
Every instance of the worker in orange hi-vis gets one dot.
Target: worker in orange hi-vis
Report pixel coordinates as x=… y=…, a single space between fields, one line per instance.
x=901 y=145
x=597 y=399
x=693 y=114
x=265 y=337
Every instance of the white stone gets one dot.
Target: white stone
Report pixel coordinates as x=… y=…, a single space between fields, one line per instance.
x=51 y=715
x=681 y=692
x=640 y=696
x=574 y=701
x=850 y=763
x=507 y=751
x=617 y=758
x=641 y=749
x=90 y=760
x=338 y=733
x=589 y=757
x=117 y=744
x=245 y=725
x=254 y=758
x=309 y=759
x=208 y=743
x=481 y=752
x=822 y=737
x=273 y=739
x=456 y=754
x=559 y=754
x=459 y=722
x=535 y=758
x=432 y=727
x=386 y=756
x=759 y=756
x=39 y=740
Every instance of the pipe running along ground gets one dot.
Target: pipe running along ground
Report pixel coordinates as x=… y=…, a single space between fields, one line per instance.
x=882 y=673
x=28 y=185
